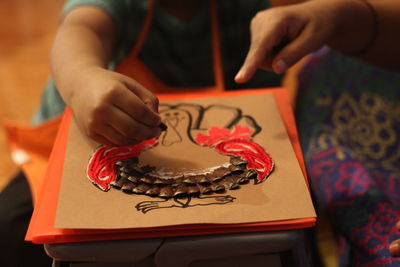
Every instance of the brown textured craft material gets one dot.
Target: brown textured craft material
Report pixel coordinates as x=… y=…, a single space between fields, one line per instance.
x=133 y=178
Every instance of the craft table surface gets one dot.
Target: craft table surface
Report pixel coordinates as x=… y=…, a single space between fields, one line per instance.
x=270 y=249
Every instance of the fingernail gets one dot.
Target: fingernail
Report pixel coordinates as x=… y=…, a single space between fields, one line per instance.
x=280 y=66
x=394 y=248
x=239 y=75
x=152 y=107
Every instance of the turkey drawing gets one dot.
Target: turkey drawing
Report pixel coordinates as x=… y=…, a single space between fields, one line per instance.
x=200 y=153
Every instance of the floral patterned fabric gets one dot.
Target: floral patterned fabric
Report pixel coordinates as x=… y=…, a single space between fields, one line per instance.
x=348 y=115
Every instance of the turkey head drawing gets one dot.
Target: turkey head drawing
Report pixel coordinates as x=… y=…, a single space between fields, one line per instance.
x=205 y=150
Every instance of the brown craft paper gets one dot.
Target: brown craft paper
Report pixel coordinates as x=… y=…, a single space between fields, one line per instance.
x=283 y=196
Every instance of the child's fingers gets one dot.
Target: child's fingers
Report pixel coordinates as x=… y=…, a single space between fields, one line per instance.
x=102 y=140
x=106 y=135
x=147 y=97
x=103 y=127
x=130 y=128
x=131 y=104
x=116 y=138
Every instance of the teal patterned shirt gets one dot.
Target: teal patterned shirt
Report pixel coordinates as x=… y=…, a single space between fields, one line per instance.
x=177 y=52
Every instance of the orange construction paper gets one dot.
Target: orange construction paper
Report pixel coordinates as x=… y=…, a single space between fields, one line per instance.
x=42 y=229
x=37 y=143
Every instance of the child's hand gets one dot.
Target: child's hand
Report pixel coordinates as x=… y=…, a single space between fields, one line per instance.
x=110 y=108
x=113 y=109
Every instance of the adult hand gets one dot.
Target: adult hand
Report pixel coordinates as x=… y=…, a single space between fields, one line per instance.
x=113 y=109
x=281 y=36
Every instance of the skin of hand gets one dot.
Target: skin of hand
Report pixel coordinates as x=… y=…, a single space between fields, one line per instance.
x=110 y=108
x=115 y=110
x=281 y=36
x=395 y=245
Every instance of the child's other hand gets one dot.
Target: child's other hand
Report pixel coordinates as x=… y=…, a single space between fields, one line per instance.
x=282 y=36
x=113 y=109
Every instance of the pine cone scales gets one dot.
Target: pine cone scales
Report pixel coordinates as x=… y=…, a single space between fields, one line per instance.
x=133 y=178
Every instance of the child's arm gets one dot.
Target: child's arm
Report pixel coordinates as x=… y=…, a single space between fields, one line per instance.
x=282 y=36
x=110 y=108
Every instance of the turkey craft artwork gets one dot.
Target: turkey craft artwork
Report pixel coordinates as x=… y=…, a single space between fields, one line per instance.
x=170 y=167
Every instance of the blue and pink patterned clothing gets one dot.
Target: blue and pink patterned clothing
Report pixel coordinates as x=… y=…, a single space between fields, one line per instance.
x=348 y=115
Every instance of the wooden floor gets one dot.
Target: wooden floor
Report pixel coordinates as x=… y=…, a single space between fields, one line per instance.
x=27 y=28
